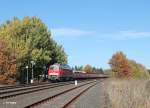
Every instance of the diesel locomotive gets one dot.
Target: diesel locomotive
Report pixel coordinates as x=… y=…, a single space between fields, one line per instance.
x=61 y=72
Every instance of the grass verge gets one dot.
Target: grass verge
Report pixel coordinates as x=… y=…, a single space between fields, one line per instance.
x=129 y=93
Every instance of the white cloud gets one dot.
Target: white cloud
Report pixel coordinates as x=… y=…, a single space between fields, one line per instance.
x=124 y=35
x=69 y=32
x=119 y=35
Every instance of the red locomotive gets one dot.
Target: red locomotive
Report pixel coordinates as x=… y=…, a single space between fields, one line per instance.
x=58 y=72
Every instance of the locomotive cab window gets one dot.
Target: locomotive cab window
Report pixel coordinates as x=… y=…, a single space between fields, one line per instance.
x=54 y=68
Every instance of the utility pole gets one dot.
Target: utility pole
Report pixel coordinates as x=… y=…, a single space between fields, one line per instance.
x=27 y=74
x=32 y=76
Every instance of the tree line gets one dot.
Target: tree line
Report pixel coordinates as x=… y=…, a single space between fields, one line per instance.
x=29 y=39
x=88 y=69
x=25 y=40
x=122 y=67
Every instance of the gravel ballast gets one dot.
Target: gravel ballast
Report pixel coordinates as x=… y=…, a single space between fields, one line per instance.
x=93 y=98
x=27 y=99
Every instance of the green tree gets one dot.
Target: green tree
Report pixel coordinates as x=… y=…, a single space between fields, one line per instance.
x=138 y=70
x=58 y=54
x=78 y=68
x=30 y=39
x=148 y=71
x=98 y=70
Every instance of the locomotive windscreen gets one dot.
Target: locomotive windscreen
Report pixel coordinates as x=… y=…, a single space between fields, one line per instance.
x=54 y=67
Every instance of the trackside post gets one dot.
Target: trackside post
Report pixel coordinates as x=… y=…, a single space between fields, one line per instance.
x=75 y=82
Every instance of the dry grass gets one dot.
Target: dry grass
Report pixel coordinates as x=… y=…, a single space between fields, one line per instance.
x=129 y=93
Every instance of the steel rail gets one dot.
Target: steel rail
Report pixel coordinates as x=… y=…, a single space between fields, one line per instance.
x=75 y=98
x=26 y=91
x=20 y=86
x=56 y=95
x=35 y=89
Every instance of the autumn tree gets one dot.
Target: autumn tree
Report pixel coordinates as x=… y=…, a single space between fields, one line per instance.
x=31 y=40
x=120 y=65
x=88 y=68
x=138 y=70
x=8 y=69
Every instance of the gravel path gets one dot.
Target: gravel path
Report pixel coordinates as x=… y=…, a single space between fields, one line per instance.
x=93 y=98
x=27 y=99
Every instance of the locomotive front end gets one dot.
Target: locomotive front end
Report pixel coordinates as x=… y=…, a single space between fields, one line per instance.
x=54 y=72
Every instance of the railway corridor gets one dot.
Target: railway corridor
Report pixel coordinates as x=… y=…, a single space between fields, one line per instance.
x=89 y=94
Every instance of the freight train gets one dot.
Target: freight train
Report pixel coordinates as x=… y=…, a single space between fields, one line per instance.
x=59 y=72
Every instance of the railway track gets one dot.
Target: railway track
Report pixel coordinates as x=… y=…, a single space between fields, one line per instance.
x=21 y=86
x=69 y=96
x=74 y=99
x=4 y=94
x=15 y=89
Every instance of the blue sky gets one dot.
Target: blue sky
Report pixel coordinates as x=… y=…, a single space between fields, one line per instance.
x=91 y=30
